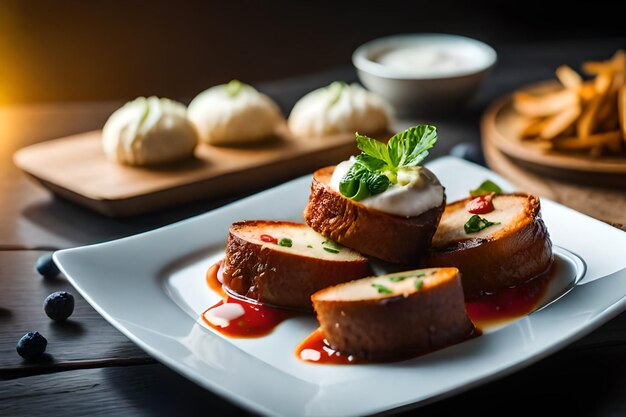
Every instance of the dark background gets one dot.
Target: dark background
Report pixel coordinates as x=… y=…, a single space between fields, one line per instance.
x=96 y=50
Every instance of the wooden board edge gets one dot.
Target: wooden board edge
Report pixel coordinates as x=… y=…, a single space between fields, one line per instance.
x=220 y=186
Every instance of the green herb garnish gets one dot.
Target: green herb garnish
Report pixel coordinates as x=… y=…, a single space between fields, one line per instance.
x=285 y=242
x=476 y=224
x=382 y=289
x=336 y=89
x=419 y=284
x=331 y=246
x=399 y=278
x=360 y=183
x=146 y=111
x=309 y=246
x=487 y=187
x=377 y=167
x=234 y=87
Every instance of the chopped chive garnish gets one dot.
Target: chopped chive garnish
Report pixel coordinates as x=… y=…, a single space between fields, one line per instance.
x=285 y=242
x=335 y=89
x=419 y=284
x=309 y=246
x=382 y=289
x=399 y=278
x=331 y=246
x=234 y=87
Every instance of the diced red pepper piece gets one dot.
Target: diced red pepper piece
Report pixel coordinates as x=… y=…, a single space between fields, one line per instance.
x=481 y=204
x=269 y=239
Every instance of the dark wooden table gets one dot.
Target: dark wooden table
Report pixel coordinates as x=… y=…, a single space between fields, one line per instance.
x=95 y=370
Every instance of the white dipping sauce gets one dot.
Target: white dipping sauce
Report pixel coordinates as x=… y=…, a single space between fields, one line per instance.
x=435 y=58
x=421 y=191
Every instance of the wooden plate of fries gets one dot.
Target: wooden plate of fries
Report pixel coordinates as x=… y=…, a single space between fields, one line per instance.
x=569 y=126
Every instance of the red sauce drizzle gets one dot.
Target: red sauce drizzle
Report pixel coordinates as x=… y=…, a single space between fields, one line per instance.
x=316 y=349
x=481 y=204
x=508 y=304
x=257 y=319
x=213 y=282
x=269 y=239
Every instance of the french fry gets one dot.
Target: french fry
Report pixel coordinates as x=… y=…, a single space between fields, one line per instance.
x=533 y=128
x=587 y=90
x=615 y=63
x=596 y=67
x=568 y=77
x=574 y=144
x=603 y=82
x=619 y=76
x=545 y=105
x=570 y=131
x=618 y=61
x=587 y=122
x=559 y=123
x=609 y=147
x=607 y=109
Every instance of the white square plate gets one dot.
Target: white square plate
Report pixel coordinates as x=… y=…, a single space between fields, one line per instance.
x=152 y=288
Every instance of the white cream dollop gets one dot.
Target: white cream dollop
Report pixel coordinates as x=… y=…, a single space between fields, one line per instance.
x=234 y=113
x=149 y=131
x=418 y=190
x=339 y=108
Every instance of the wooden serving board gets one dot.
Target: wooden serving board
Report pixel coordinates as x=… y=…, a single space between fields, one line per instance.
x=76 y=169
x=603 y=203
x=501 y=126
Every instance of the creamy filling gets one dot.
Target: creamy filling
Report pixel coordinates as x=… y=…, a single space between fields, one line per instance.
x=417 y=191
x=436 y=58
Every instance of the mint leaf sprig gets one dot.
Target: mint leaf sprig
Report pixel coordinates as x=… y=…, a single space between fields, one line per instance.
x=377 y=167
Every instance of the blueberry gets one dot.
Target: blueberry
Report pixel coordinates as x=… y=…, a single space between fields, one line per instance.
x=46 y=266
x=32 y=345
x=59 y=305
x=469 y=151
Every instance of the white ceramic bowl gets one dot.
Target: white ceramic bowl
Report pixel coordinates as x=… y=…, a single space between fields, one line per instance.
x=417 y=90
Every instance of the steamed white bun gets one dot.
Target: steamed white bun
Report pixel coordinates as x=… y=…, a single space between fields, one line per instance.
x=339 y=108
x=149 y=131
x=234 y=113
